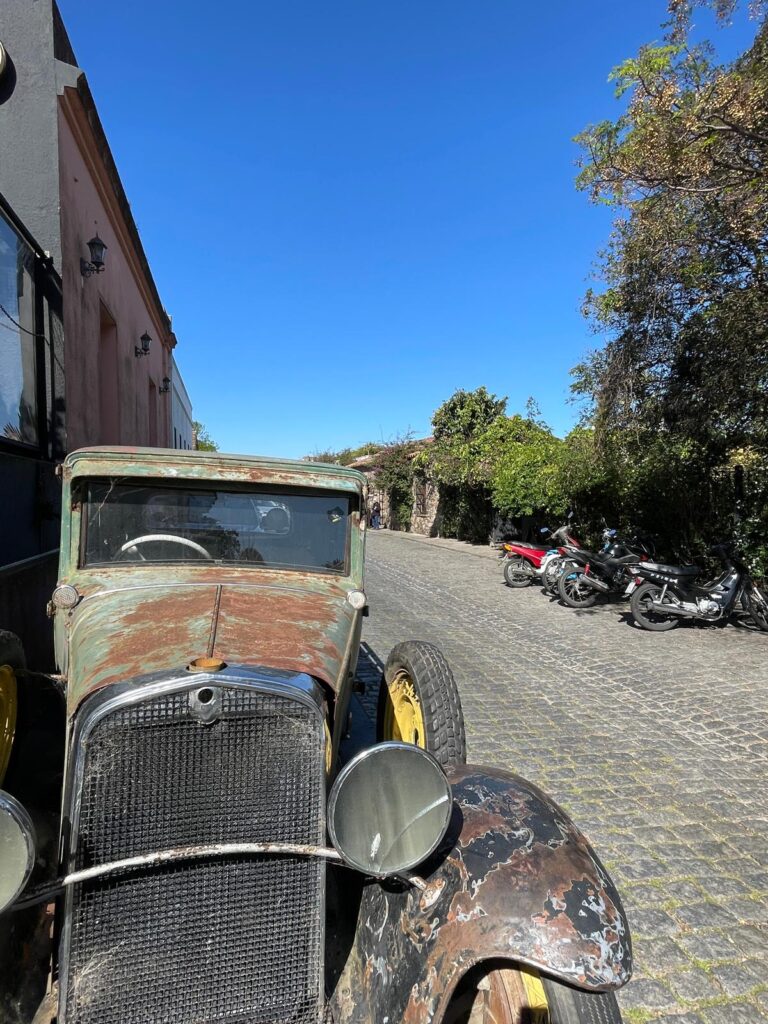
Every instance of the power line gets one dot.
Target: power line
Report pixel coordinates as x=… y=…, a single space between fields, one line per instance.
x=16 y=323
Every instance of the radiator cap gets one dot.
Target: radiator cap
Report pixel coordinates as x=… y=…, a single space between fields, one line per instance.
x=206 y=665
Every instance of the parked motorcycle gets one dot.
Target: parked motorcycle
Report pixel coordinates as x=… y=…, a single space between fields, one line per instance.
x=555 y=567
x=610 y=571
x=526 y=563
x=665 y=594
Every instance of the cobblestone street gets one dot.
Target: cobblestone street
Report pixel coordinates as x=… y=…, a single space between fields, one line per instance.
x=656 y=745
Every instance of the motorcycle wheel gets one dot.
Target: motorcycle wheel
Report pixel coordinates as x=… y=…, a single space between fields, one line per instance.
x=644 y=615
x=573 y=592
x=507 y=995
x=757 y=606
x=517 y=572
x=551 y=575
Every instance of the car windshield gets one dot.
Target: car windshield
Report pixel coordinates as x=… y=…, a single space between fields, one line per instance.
x=128 y=522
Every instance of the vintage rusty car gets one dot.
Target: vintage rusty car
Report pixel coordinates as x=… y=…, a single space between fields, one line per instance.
x=183 y=838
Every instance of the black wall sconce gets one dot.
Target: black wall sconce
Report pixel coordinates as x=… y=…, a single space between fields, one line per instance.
x=146 y=341
x=166 y=386
x=96 y=248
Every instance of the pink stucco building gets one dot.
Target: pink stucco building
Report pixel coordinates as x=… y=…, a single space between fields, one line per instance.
x=74 y=370
x=105 y=315
x=58 y=174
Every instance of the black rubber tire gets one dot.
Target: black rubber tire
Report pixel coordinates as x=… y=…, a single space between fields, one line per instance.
x=551 y=575
x=641 y=619
x=483 y=997
x=572 y=1006
x=567 y=591
x=757 y=606
x=11 y=651
x=438 y=695
x=515 y=574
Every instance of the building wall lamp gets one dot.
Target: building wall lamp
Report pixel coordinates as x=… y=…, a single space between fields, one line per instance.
x=96 y=248
x=146 y=341
x=166 y=386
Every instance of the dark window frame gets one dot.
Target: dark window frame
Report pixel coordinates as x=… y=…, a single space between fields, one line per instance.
x=47 y=303
x=80 y=496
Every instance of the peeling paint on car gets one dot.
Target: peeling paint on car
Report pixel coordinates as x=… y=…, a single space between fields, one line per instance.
x=132 y=618
x=514 y=879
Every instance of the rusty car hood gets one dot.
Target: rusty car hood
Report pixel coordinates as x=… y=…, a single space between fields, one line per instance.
x=119 y=633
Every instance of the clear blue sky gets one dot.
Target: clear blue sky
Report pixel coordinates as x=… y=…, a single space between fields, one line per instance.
x=353 y=208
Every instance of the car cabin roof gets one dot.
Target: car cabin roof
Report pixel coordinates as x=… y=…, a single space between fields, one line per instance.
x=182 y=464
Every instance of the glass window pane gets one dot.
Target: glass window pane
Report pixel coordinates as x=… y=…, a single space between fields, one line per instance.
x=18 y=383
x=144 y=522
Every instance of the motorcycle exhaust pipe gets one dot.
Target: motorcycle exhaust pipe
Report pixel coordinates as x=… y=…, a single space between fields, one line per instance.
x=597 y=584
x=672 y=609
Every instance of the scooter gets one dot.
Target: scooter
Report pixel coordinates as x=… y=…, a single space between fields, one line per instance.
x=526 y=563
x=668 y=593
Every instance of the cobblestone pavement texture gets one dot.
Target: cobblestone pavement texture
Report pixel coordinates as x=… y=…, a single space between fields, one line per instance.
x=656 y=744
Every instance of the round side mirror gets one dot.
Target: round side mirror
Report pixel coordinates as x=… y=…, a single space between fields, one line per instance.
x=17 y=849
x=389 y=808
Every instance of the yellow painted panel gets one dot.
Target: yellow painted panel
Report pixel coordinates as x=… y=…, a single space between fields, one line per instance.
x=538 y=1010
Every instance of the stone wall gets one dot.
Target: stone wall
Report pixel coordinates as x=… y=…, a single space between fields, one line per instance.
x=426 y=501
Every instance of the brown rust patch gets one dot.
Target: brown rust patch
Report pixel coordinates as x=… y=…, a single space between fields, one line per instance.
x=293 y=630
x=128 y=633
x=121 y=634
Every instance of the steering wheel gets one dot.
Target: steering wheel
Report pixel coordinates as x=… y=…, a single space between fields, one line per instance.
x=149 y=537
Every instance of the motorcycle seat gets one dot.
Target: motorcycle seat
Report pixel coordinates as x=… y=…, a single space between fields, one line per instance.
x=530 y=546
x=623 y=561
x=606 y=558
x=672 y=570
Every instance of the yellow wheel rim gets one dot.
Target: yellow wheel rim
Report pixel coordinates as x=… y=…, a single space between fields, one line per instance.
x=328 y=749
x=403 y=717
x=8 y=702
x=537 y=999
x=506 y=995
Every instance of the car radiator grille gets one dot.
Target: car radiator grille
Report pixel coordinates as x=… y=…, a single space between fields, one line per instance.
x=237 y=940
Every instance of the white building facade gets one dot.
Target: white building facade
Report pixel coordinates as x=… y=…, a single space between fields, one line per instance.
x=182 y=431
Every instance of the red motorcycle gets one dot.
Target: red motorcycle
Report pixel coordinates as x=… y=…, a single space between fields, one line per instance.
x=526 y=563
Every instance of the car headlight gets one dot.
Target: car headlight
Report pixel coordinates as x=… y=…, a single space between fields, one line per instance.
x=357 y=599
x=389 y=808
x=17 y=849
x=65 y=596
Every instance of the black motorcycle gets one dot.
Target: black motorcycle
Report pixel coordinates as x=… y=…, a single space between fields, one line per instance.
x=610 y=571
x=671 y=593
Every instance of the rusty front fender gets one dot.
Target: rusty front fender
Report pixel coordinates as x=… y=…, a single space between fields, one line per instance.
x=514 y=879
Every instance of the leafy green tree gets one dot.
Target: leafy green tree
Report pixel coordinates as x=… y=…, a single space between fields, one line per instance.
x=203 y=440
x=684 y=296
x=458 y=425
x=458 y=460
x=518 y=459
x=344 y=457
x=681 y=387
x=395 y=476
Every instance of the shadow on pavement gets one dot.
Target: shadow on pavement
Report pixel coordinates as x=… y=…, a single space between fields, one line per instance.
x=362 y=732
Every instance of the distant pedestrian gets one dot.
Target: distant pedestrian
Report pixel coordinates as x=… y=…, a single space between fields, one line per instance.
x=375 y=516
